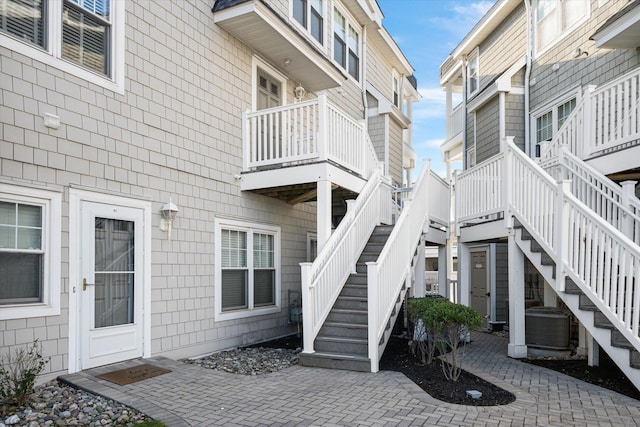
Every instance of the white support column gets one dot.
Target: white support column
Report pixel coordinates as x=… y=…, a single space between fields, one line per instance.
x=443 y=271
x=517 y=345
x=593 y=350
x=324 y=213
x=464 y=278
x=418 y=285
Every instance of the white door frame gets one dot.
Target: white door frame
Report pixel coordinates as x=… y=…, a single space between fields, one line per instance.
x=76 y=198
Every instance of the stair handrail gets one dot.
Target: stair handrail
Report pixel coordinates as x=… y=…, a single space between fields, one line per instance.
x=609 y=200
x=323 y=279
x=386 y=275
x=601 y=260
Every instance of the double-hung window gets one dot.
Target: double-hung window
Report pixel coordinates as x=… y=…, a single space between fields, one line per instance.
x=346 y=44
x=473 y=73
x=82 y=37
x=555 y=18
x=29 y=252
x=549 y=120
x=310 y=14
x=247 y=260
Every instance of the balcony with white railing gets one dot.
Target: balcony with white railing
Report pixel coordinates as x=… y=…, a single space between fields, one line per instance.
x=287 y=149
x=605 y=121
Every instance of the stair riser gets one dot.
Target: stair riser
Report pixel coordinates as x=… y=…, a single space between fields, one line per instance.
x=350 y=304
x=334 y=363
x=381 y=238
x=356 y=279
x=352 y=291
x=342 y=331
x=618 y=340
x=356 y=318
x=368 y=258
x=634 y=359
x=341 y=347
x=373 y=248
x=601 y=321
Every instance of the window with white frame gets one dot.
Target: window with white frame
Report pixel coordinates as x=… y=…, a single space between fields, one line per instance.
x=397 y=94
x=247 y=272
x=310 y=14
x=555 y=18
x=312 y=246
x=346 y=44
x=83 y=37
x=473 y=73
x=29 y=252
x=549 y=120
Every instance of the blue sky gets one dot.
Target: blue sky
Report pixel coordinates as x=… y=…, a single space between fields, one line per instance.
x=427 y=31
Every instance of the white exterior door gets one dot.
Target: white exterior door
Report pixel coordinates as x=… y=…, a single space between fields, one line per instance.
x=111 y=287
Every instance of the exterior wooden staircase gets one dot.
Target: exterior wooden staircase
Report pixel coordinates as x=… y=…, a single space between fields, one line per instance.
x=342 y=342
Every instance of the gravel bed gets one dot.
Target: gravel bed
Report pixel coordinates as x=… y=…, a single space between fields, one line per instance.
x=56 y=404
x=248 y=361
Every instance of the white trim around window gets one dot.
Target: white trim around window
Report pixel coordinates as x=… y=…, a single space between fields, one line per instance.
x=554 y=19
x=51 y=52
x=49 y=204
x=346 y=39
x=312 y=246
x=549 y=115
x=311 y=17
x=243 y=259
x=473 y=73
x=256 y=63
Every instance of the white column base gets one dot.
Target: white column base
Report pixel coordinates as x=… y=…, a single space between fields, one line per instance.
x=517 y=351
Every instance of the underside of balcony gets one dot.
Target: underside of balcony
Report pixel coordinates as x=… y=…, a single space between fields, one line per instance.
x=299 y=183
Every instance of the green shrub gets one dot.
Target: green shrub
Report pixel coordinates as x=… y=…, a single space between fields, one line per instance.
x=445 y=325
x=18 y=373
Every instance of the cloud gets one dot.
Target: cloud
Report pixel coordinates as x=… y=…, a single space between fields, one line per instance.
x=463 y=17
x=432 y=105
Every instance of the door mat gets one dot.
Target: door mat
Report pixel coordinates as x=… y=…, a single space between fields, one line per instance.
x=133 y=374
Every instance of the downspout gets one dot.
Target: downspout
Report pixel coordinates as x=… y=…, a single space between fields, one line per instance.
x=527 y=78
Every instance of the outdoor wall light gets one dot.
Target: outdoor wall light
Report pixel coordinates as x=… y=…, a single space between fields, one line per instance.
x=169 y=212
x=299 y=92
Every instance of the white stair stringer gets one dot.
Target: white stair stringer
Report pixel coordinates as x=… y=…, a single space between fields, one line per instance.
x=603 y=336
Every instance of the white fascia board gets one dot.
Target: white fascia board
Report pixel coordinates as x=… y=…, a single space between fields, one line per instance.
x=615 y=29
x=453 y=72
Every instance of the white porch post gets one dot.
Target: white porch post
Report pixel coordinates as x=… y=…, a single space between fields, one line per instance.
x=464 y=278
x=517 y=345
x=324 y=213
x=418 y=285
x=443 y=271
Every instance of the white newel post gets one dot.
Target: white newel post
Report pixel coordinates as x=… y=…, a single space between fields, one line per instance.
x=505 y=147
x=628 y=191
x=517 y=347
x=372 y=307
x=246 y=141
x=588 y=125
x=307 y=307
x=324 y=213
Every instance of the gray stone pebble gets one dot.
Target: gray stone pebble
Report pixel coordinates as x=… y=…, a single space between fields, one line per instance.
x=55 y=404
x=248 y=361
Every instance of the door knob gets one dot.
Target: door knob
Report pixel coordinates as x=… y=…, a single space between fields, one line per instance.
x=85 y=284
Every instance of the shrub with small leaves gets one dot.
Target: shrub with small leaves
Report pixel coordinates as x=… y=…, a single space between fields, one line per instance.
x=18 y=372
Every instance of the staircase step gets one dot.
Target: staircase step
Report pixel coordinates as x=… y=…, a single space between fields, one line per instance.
x=571 y=288
x=546 y=259
x=535 y=246
x=525 y=234
x=335 y=361
x=341 y=345
x=358 y=317
x=356 y=279
x=371 y=257
x=361 y=268
x=618 y=340
x=601 y=321
x=373 y=247
x=353 y=290
x=586 y=304
x=340 y=329
x=351 y=303
x=634 y=359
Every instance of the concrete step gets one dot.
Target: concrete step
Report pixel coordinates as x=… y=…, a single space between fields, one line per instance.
x=341 y=345
x=335 y=361
x=351 y=303
x=339 y=329
x=358 y=317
